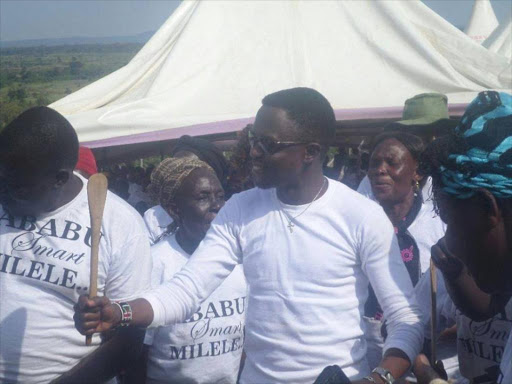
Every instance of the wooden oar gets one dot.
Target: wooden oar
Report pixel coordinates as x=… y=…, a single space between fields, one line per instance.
x=96 y=195
x=433 y=313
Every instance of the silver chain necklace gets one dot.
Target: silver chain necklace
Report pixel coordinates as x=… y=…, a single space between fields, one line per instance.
x=293 y=218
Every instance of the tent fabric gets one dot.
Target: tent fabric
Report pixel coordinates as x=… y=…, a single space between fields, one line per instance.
x=483 y=21
x=207 y=68
x=500 y=40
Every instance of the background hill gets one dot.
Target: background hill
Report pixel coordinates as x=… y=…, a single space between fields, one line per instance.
x=78 y=40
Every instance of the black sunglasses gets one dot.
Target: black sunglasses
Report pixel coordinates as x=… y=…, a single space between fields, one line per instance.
x=269 y=146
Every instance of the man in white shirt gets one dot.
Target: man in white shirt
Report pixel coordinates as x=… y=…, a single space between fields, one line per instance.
x=45 y=242
x=309 y=248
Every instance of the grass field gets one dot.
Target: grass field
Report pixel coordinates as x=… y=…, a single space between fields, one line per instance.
x=41 y=75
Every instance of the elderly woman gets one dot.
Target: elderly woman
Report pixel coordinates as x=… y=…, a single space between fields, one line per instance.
x=156 y=218
x=396 y=184
x=207 y=348
x=472 y=180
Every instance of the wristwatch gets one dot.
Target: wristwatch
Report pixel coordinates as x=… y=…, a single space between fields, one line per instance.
x=384 y=375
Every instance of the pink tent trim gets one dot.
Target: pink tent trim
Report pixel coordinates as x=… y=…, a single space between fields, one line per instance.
x=238 y=124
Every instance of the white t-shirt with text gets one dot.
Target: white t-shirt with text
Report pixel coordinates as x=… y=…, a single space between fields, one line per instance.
x=480 y=345
x=207 y=348
x=45 y=267
x=307 y=288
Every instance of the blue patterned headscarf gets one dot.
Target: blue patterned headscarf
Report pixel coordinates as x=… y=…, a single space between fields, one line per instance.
x=486 y=128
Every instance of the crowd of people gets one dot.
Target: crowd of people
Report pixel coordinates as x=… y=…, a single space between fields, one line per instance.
x=284 y=264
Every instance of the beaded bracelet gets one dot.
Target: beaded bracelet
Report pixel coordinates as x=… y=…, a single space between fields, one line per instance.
x=126 y=313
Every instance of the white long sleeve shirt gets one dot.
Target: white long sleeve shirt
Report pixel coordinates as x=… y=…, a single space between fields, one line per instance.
x=307 y=288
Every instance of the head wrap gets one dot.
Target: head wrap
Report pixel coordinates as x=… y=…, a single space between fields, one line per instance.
x=169 y=175
x=86 y=161
x=486 y=129
x=206 y=152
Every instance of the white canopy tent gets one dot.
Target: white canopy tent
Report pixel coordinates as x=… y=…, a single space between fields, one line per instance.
x=500 y=40
x=483 y=21
x=207 y=68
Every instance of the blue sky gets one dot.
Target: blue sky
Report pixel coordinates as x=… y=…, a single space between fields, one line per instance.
x=37 y=19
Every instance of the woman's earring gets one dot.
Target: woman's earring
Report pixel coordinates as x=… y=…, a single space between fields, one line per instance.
x=416 y=188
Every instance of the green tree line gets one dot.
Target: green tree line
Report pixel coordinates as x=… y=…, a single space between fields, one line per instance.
x=41 y=75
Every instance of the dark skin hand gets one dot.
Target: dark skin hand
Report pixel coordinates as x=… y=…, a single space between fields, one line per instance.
x=423 y=371
x=463 y=290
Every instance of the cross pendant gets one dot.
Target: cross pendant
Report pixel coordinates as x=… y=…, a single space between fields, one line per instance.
x=290 y=226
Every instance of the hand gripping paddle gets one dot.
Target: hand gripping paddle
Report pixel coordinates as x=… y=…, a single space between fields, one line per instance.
x=96 y=195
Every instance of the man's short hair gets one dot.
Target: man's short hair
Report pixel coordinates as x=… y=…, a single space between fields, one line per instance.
x=309 y=110
x=40 y=138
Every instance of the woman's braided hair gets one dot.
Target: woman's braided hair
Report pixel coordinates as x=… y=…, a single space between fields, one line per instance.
x=166 y=181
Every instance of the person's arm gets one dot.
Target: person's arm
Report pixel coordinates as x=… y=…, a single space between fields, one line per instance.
x=136 y=373
x=122 y=350
x=464 y=292
x=176 y=300
x=128 y=273
x=381 y=261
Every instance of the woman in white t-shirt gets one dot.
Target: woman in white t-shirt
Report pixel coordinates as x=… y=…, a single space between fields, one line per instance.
x=395 y=184
x=207 y=348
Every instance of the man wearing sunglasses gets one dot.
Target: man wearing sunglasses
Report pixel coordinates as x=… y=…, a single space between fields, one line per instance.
x=309 y=247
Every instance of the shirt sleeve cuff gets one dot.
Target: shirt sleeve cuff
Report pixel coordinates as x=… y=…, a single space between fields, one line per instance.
x=158 y=309
x=409 y=350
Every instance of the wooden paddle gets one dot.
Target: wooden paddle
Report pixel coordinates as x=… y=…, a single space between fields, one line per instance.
x=433 y=313
x=96 y=195
x=436 y=364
